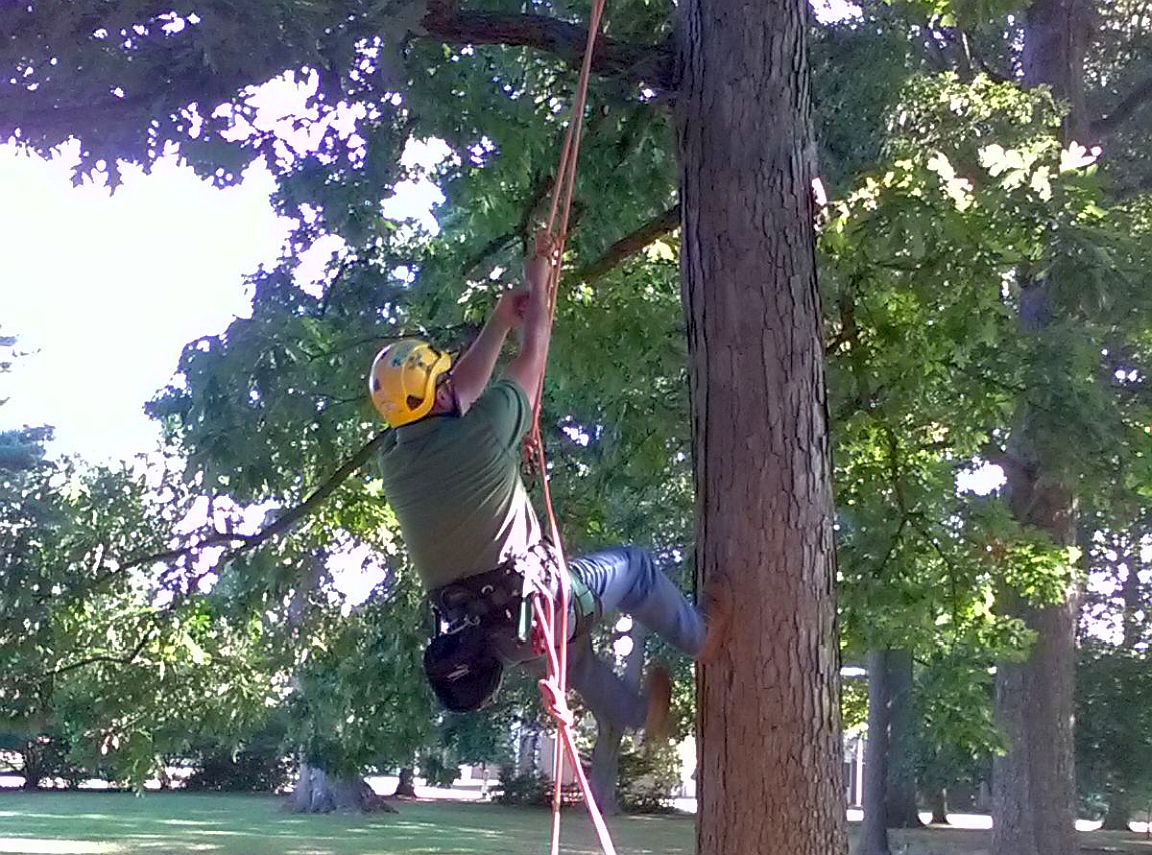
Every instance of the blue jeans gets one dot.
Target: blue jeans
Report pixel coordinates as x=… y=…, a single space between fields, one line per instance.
x=626 y=579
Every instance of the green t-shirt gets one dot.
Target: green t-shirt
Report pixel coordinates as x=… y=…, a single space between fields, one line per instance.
x=454 y=484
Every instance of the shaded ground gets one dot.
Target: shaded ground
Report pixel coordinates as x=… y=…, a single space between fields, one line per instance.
x=194 y=824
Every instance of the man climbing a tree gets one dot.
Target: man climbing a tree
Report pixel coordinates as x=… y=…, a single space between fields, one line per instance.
x=451 y=472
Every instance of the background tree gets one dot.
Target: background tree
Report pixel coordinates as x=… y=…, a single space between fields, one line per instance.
x=359 y=699
x=1112 y=735
x=910 y=513
x=1050 y=45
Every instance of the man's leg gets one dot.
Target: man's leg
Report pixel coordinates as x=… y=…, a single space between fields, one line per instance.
x=602 y=689
x=626 y=579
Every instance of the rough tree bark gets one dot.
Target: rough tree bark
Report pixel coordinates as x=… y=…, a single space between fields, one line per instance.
x=889 y=772
x=770 y=756
x=874 y=834
x=1033 y=782
x=902 y=809
x=1034 y=795
x=1033 y=789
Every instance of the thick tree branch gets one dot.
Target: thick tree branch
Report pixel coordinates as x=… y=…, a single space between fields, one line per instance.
x=326 y=297
x=497 y=244
x=124 y=659
x=244 y=542
x=978 y=61
x=935 y=53
x=1125 y=190
x=1123 y=111
x=650 y=65
x=293 y=515
x=286 y=520
x=540 y=190
x=999 y=456
x=631 y=244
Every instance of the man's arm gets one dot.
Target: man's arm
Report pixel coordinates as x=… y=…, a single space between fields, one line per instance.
x=527 y=368
x=473 y=370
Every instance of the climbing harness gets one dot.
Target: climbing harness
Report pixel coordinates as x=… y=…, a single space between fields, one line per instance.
x=550 y=627
x=485 y=622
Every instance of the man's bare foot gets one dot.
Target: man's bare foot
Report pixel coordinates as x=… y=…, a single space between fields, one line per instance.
x=656 y=725
x=717 y=608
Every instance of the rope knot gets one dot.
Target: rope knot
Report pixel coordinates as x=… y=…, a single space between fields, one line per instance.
x=555 y=703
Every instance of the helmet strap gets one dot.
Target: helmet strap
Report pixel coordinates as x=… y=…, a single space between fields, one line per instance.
x=454 y=410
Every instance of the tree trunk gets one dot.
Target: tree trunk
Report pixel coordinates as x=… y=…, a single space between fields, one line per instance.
x=321 y=799
x=1120 y=803
x=1056 y=34
x=982 y=799
x=874 y=835
x=604 y=776
x=1132 y=594
x=352 y=793
x=406 y=786
x=1033 y=782
x=902 y=810
x=301 y=801
x=317 y=792
x=32 y=763
x=770 y=755
x=1034 y=794
x=529 y=747
x=1119 y=811
x=938 y=803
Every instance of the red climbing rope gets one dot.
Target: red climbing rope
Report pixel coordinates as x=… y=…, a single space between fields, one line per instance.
x=551 y=612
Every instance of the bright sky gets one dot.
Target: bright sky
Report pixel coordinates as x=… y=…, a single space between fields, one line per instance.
x=104 y=291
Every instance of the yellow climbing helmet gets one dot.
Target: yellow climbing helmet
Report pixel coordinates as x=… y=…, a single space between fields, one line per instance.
x=403 y=380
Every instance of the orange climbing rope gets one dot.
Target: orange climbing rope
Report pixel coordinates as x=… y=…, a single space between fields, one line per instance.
x=551 y=612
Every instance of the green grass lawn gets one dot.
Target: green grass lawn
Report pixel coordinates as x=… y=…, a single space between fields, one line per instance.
x=183 y=824
x=88 y=823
